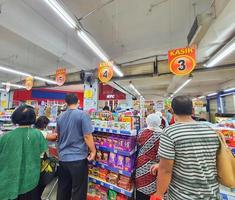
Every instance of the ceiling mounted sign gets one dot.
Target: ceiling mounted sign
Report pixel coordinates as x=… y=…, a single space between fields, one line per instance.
x=105 y=72
x=60 y=76
x=182 y=61
x=28 y=83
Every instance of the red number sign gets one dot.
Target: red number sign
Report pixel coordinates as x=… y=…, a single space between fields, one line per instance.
x=182 y=61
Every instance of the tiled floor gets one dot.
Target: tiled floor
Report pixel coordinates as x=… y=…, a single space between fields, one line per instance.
x=50 y=191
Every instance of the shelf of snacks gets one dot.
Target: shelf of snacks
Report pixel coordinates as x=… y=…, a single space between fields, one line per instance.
x=116 y=188
x=115 y=151
x=123 y=170
x=98 y=192
x=115 y=140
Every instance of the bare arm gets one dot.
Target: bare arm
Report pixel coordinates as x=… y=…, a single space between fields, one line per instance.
x=91 y=145
x=164 y=176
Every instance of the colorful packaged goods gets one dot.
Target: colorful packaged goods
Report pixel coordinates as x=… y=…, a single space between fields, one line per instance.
x=112 y=178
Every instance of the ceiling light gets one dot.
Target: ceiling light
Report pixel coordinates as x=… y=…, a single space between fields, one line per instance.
x=13 y=85
x=133 y=87
x=225 y=51
x=62 y=13
x=201 y=97
x=93 y=47
x=212 y=94
x=98 y=51
x=12 y=71
x=182 y=86
x=45 y=80
x=229 y=90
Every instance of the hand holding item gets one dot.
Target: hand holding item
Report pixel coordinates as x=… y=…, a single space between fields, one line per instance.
x=154 y=169
x=52 y=137
x=91 y=156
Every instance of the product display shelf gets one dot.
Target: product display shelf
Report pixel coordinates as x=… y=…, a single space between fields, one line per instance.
x=123 y=153
x=114 y=131
x=111 y=186
x=112 y=169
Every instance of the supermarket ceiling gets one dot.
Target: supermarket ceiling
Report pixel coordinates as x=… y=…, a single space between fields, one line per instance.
x=34 y=39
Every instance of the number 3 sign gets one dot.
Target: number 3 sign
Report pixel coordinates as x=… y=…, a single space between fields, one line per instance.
x=105 y=72
x=182 y=61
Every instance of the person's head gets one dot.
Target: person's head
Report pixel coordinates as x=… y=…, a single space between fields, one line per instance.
x=71 y=100
x=153 y=121
x=182 y=106
x=42 y=122
x=24 y=115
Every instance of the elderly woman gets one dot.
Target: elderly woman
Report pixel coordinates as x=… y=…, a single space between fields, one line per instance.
x=148 y=143
x=20 y=152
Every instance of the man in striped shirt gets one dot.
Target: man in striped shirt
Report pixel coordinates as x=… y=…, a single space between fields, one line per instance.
x=187 y=151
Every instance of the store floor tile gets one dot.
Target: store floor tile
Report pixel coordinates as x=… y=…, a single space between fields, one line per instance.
x=50 y=191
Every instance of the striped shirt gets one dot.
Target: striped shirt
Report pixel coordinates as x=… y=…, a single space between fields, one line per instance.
x=193 y=148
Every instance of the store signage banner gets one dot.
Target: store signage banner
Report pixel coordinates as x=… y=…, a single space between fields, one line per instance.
x=28 y=83
x=60 y=76
x=105 y=72
x=182 y=61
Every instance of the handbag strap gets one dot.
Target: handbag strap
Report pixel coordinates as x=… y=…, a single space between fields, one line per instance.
x=221 y=139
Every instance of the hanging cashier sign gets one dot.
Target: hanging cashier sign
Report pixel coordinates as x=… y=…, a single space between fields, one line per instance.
x=182 y=61
x=105 y=72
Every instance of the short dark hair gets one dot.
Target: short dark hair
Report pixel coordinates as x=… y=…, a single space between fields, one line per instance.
x=71 y=99
x=182 y=105
x=24 y=115
x=42 y=122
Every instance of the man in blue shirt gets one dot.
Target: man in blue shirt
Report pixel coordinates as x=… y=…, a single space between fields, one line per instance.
x=75 y=141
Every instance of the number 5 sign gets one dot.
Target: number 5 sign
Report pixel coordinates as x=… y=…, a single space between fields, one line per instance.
x=105 y=72
x=182 y=61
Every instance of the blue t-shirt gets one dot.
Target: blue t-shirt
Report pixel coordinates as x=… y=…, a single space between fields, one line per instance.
x=72 y=125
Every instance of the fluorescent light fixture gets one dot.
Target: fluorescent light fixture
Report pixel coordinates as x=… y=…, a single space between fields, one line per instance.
x=45 y=80
x=133 y=87
x=12 y=71
x=13 y=85
x=201 y=97
x=181 y=87
x=98 y=51
x=92 y=46
x=229 y=90
x=118 y=71
x=62 y=13
x=225 y=51
x=212 y=94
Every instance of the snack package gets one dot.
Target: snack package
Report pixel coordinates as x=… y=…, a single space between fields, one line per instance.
x=112 y=178
x=110 y=142
x=120 y=144
x=124 y=184
x=112 y=159
x=105 y=157
x=103 y=173
x=99 y=156
x=120 y=162
x=121 y=197
x=112 y=195
x=115 y=142
x=103 y=193
x=128 y=164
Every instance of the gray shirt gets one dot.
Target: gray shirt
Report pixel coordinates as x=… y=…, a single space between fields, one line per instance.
x=72 y=125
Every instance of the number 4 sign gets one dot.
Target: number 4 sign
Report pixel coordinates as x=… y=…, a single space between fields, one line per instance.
x=182 y=61
x=105 y=72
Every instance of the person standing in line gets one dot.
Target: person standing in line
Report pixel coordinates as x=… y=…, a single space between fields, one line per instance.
x=74 y=130
x=148 y=143
x=187 y=151
x=20 y=152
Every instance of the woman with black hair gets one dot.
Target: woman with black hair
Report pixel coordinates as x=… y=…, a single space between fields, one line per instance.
x=41 y=124
x=20 y=152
